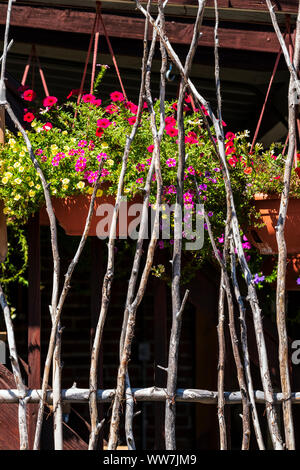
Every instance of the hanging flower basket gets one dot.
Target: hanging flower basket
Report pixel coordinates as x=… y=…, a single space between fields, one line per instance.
x=264 y=238
x=72 y=212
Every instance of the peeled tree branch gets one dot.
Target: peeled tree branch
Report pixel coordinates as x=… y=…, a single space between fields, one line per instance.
x=280 y=229
x=252 y=295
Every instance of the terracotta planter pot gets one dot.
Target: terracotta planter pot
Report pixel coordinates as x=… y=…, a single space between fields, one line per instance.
x=265 y=238
x=72 y=212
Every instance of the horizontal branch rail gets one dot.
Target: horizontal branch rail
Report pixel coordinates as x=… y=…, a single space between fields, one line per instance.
x=151 y=394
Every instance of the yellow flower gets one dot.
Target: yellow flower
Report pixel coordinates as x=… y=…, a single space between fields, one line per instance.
x=65 y=181
x=31 y=193
x=8 y=174
x=65 y=187
x=31 y=184
x=99 y=193
x=5 y=210
x=90 y=190
x=66 y=147
x=17 y=197
x=11 y=142
x=16 y=165
x=33 y=124
x=110 y=162
x=4 y=180
x=64 y=132
x=104 y=145
x=18 y=181
x=80 y=185
x=21 y=169
x=38 y=186
x=22 y=154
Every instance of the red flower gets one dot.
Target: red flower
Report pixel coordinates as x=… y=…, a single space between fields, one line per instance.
x=187 y=98
x=88 y=98
x=150 y=148
x=297 y=170
x=298 y=156
x=170 y=121
x=117 y=96
x=133 y=108
x=132 y=120
x=29 y=95
x=28 y=117
x=232 y=161
x=248 y=170
x=73 y=92
x=111 y=109
x=174 y=106
x=171 y=131
x=104 y=123
x=99 y=132
x=230 y=136
x=49 y=101
x=47 y=126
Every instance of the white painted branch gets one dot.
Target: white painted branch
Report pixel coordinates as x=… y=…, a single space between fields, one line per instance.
x=150 y=394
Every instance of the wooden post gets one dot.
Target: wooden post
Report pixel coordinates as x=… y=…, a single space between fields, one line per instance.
x=160 y=357
x=3 y=229
x=96 y=283
x=34 y=317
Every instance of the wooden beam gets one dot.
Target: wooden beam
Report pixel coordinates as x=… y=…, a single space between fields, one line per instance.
x=125 y=27
x=34 y=316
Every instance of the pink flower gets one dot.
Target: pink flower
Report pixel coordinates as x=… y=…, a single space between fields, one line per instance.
x=150 y=148
x=100 y=156
x=132 y=120
x=49 y=101
x=47 y=126
x=80 y=164
x=140 y=167
x=92 y=176
x=104 y=172
x=191 y=170
x=139 y=180
x=174 y=106
x=117 y=96
x=39 y=152
x=88 y=98
x=171 y=131
x=161 y=244
x=55 y=160
x=204 y=110
x=72 y=152
x=97 y=102
x=82 y=143
x=43 y=158
x=91 y=145
x=112 y=109
x=149 y=160
x=171 y=189
x=103 y=123
x=29 y=95
x=171 y=162
x=188 y=197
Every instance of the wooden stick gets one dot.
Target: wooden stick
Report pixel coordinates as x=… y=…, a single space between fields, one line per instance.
x=252 y=295
x=150 y=394
x=21 y=389
x=132 y=302
x=282 y=248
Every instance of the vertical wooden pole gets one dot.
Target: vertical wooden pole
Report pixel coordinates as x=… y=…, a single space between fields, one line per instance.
x=3 y=229
x=34 y=317
x=160 y=356
x=96 y=283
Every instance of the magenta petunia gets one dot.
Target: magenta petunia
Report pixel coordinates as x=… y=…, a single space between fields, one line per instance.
x=88 y=98
x=171 y=131
x=80 y=164
x=171 y=162
x=49 y=101
x=103 y=123
x=117 y=96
